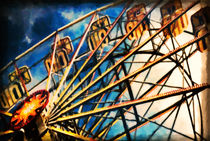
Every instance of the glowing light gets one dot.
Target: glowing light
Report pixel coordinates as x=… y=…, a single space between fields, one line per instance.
x=29 y=109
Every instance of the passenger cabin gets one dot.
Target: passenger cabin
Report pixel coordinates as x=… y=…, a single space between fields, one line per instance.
x=64 y=43
x=10 y=95
x=98 y=30
x=63 y=48
x=24 y=74
x=201 y=24
x=134 y=15
x=168 y=12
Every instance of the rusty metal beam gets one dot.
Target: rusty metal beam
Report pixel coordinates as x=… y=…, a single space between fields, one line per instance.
x=121 y=60
x=69 y=133
x=84 y=64
x=135 y=102
x=70 y=64
x=138 y=71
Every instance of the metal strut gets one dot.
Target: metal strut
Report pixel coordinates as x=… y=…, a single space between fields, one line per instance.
x=197 y=87
x=126 y=77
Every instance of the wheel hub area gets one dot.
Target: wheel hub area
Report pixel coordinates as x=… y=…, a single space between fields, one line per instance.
x=28 y=109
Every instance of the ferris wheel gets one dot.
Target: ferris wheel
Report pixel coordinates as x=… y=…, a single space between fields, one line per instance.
x=128 y=76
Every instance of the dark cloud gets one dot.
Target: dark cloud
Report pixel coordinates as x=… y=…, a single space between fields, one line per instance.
x=47 y=21
x=4 y=39
x=15 y=26
x=43 y=26
x=11 y=36
x=34 y=19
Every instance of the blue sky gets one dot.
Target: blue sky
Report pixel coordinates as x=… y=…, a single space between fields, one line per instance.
x=25 y=25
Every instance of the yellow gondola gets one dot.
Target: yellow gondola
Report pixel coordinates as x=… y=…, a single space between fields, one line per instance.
x=11 y=95
x=25 y=74
x=98 y=31
x=168 y=12
x=134 y=15
x=63 y=48
x=64 y=43
x=201 y=24
x=61 y=61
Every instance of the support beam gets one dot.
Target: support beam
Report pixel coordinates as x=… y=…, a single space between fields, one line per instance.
x=84 y=64
x=154 y=117
x=146 y=93
x=70 y=64
x=126 y=57
x=69 y=133
x=52 y=62
x=138 y=71
x=6 y=132
x=5 y=113
x=135 y=102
